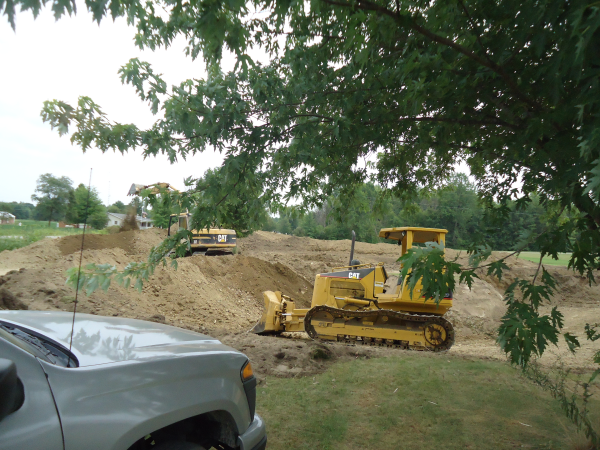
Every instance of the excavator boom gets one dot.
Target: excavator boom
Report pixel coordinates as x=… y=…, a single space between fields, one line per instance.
x=156 y=188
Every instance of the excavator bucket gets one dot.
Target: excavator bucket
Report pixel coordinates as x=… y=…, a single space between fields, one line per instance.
x=270 y=320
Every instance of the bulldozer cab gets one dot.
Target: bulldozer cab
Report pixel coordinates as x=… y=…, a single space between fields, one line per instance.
x=408 y=236
x=364 y=283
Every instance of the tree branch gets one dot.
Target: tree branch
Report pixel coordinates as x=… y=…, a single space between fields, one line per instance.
x=538 y=270
x=410 y=23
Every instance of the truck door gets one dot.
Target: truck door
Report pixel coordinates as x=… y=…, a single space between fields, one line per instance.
x=34 y=426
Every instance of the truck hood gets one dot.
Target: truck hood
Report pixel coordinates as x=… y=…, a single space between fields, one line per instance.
x=103 y=340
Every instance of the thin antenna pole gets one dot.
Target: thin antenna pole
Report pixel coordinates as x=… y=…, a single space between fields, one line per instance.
x=87 y=205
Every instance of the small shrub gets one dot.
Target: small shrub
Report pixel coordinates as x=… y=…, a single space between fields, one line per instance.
x=321 y=353
x=114 y=229
x=130 y=223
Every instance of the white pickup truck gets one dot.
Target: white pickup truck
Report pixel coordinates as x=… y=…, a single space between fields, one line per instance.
x=125 y=384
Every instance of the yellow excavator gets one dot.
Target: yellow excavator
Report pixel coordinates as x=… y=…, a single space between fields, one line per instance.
x=361 y=303
x=156 y=188
x=216 y=241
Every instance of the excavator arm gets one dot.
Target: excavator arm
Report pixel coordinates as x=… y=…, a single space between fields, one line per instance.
x=156 y=188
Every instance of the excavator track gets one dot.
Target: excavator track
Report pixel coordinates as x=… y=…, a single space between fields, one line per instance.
x=380 y=327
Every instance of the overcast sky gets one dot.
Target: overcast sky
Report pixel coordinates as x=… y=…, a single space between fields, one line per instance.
x=46 y=60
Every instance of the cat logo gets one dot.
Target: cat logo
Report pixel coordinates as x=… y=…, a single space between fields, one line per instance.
x=222 y=238
x=354 y=275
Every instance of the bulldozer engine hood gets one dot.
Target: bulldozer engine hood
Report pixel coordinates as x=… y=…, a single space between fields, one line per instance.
x=357 y=274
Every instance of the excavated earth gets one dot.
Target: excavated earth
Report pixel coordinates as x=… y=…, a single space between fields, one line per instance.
x=222 y=295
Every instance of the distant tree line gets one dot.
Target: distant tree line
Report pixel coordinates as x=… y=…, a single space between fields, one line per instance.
x=20 y=210
x=456 y=207
x=57 y=200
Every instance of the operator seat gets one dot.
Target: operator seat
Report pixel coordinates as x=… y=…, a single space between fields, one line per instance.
x=392 y=285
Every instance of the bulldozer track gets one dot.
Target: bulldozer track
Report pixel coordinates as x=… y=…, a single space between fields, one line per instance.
x=376 y=314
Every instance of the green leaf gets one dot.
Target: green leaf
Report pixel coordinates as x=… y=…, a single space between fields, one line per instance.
x=497 y=268
x=572 y=342
x=467 y=277
x=594 y=183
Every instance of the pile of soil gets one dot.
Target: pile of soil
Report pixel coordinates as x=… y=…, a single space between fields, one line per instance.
x=222 y=295
x=72 y=244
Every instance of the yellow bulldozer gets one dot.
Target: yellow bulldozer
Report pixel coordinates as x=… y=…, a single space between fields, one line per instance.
x=216 y=241
x=360 y=303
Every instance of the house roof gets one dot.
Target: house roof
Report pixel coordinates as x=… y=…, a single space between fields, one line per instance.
x=5 y=215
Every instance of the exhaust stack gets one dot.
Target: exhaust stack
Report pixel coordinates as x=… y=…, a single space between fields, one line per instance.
x=352 y=248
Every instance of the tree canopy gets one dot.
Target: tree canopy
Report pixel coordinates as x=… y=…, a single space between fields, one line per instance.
x=411 y=87
x=52 y=197
x=118 y=207
x=455 y=207
x=85 y=206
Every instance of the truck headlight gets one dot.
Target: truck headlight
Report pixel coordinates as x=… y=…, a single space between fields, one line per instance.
x=249 y=382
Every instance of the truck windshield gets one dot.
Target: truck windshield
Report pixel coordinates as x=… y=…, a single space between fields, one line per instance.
x=42 y=347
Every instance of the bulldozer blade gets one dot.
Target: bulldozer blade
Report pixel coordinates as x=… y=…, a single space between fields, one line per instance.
x=269 y=322
x=259 y=327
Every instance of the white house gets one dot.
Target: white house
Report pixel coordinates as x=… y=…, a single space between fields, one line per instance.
x=6 y=218
x=116 y=219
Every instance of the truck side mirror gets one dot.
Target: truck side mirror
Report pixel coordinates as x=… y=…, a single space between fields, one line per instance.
x=11 y=389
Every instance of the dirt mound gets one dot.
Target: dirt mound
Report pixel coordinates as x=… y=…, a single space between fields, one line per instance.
x=254 y=276
x=571 y=289
x=9 y=301
x=215 y=294
x=222 y=295
x=125 y=240
x=72 y=244
x=307 y=256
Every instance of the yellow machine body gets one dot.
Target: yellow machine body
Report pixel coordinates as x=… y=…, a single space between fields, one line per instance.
x=216 y=241
x=362 y=303
x=155 y=188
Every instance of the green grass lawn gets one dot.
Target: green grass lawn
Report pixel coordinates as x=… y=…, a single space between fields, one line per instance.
x=563 y=258
x=412 y=402
x=32 y=231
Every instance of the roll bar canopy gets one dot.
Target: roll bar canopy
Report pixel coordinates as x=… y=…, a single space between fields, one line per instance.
x=407 y=236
